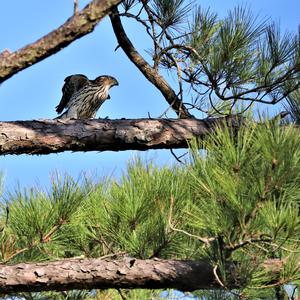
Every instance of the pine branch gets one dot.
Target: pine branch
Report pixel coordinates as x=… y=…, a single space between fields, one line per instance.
x=52 y=136
x=98 y=273
x=150 y=73
x=74 y=28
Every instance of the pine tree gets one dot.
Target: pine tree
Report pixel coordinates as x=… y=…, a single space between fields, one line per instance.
x=234 y=204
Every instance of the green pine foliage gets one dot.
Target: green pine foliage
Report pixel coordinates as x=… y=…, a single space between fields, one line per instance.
x=238 y=59
x=235 y=203
x=248 y=193
x=236 y=200
x=293 y=106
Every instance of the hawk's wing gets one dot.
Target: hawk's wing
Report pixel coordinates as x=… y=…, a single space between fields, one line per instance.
x=73 y=83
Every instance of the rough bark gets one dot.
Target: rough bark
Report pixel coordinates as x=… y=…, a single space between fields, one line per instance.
x=51 y=136
x=75 y=27
x=102 y=274
x=150 y=73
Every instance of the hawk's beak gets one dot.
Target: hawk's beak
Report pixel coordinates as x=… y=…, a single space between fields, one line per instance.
x=115 y=82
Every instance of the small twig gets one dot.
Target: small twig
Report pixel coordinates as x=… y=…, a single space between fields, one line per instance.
x=271 y=285
x=17 y=253
x=154 y=36
x=103 y=242
x=179 y=74
x=281 y=247
x=176 y=157
x=123 y=297
x=217 y=277
x=206 y=241
x=64 y=294
x=213 y=106
x=164 y=113
x=294 y=293
x=260 y=247
x=281 y=115
x=117 y=48
x=137 y=18
x=44 y=239
x=117 y=254
x=48 y=236
x=222 y=284
x=7 y=215
x=75 y=7
x=251 y=241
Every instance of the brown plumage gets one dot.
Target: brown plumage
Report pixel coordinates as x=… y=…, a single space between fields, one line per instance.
x=83 y=97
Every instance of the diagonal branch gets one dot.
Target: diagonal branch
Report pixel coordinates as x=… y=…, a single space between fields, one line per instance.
x=150 y=73
x=52 y=136
x=75 y=27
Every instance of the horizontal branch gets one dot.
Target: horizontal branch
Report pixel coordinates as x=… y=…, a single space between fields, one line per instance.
x=74 y=28
x=102 y=274
x=51 y=136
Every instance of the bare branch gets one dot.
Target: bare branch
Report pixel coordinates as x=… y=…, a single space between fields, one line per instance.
x=151 y=74
x=75 y=27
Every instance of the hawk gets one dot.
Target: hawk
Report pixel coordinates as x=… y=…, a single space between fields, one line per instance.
x=82 y=97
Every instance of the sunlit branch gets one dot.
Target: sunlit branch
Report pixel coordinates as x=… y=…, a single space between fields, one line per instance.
x=74 y=28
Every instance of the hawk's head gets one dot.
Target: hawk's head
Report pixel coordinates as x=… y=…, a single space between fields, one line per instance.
x=105 y=80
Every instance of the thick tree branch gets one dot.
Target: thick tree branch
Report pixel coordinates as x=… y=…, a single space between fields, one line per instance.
x=50 y=136
x=102 y=274
x=150 y=73
x=74 y=28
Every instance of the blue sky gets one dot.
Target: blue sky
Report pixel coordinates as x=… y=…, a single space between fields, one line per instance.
x=34 y=92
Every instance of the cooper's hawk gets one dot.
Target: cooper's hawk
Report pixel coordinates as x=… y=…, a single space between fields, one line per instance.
x=83 y=97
